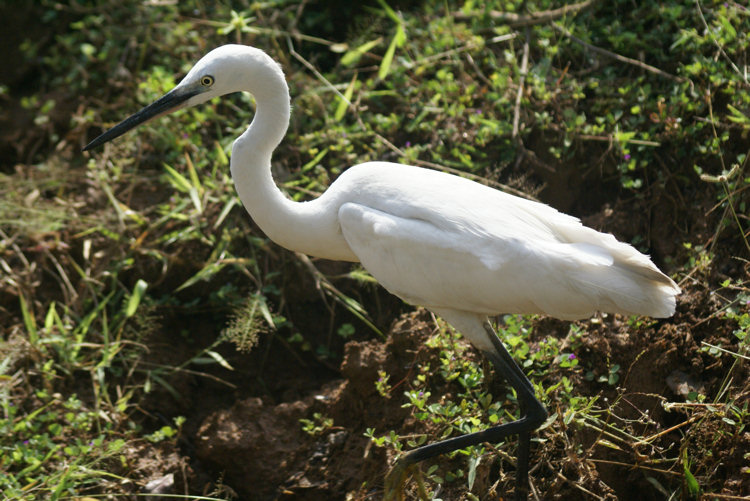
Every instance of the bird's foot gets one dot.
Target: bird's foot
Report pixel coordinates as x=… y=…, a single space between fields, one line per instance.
x=397 y=477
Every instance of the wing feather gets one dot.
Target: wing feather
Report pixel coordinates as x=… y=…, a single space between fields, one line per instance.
x=445 y=242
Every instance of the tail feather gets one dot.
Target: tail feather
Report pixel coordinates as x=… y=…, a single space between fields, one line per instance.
x=640 y=293
x=629 y=282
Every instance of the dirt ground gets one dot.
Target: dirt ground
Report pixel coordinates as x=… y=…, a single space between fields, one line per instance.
x=256 y=447
x=252 y=443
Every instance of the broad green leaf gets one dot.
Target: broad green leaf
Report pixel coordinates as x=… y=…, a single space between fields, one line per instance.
x=737 y=116
x=728 y=28
x=472 y=476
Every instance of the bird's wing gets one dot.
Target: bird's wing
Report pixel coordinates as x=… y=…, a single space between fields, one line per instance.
x=439 y=268
x=445 y=242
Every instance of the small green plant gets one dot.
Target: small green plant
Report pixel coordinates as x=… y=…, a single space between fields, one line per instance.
x=611 y=378
x=248 y=321
x=346 y=330
x=167 y=432
x=317 y=425
x=51 y=450
x=391 y=439
x=382 y=385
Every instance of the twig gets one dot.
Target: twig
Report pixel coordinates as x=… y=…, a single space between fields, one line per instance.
x=467 y=47
x=521 y=83
x=271 y=32
x=183 y=370
x=723 y=350
x=66 y=285
x=713 y=38
x=575 y=484
x=610 y=139
x=534 y=160
x=315 y=72
x=618 y=57
x=650 y=439
x=634 y=466
x=525 y=153
x=519 y=21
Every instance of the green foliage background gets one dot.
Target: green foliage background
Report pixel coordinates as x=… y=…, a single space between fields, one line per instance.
x=636 y=108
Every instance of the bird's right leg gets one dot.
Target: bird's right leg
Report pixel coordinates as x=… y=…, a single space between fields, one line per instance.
x=524 y=400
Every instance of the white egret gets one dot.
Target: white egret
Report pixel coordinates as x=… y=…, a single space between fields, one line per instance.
x=463 y=250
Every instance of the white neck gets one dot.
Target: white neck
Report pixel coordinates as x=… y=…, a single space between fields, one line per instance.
x=308 y=227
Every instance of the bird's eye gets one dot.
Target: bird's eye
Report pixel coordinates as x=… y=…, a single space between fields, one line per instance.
x=207 y=81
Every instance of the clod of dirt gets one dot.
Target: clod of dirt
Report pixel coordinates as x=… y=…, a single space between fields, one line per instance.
x=254 y=444
x=684 y=384
x=149 y=463
x=161 y=485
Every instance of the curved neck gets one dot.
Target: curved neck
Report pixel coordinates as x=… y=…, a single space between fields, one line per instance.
x=251 y=162
x=309 y=227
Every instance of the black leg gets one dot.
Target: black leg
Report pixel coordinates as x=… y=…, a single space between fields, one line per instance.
x=522 y=465
x=507 y=360
x=532 y=412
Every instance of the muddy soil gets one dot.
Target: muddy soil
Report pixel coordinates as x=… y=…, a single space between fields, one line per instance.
x=254 y=447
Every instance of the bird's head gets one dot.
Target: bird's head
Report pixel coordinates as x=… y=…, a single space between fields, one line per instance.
x=226 y=69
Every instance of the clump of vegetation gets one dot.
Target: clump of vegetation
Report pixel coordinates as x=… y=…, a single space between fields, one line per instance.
x=125 y=271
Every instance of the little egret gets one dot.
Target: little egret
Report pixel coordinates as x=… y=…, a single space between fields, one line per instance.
x=463 y=250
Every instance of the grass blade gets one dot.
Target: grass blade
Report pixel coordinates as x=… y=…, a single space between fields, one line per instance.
x=345 y=101
x=135 y=298
x=177 y=180
x=354 y=55
x=398 y=40
x=28 y=320
x=219 y=359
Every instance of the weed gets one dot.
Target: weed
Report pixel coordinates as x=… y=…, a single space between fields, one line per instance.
x=317 y=425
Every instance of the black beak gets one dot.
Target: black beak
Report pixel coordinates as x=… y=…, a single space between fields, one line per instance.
x=170 y=101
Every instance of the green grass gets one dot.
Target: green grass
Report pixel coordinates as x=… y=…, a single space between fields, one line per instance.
x=101 y=253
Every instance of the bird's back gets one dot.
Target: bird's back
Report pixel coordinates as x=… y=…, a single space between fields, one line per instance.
x=446 y=242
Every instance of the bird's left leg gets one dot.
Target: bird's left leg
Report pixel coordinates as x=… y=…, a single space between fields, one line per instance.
x=533 y=414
